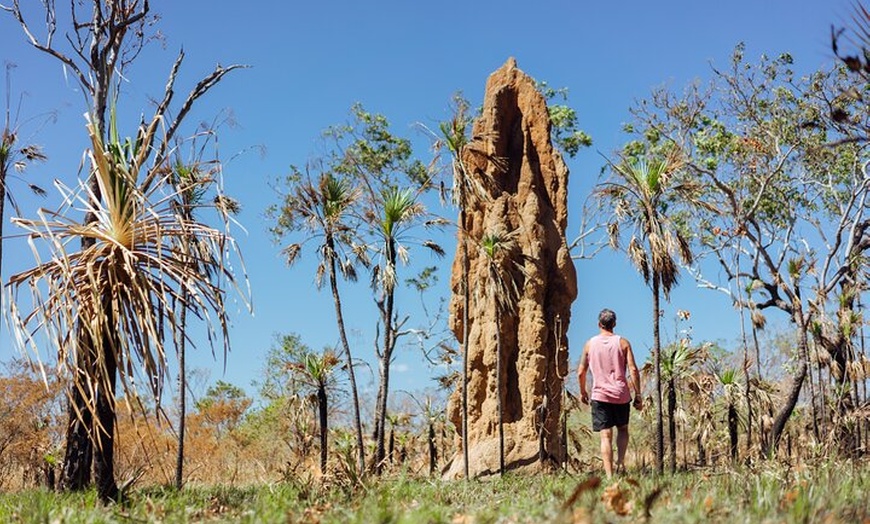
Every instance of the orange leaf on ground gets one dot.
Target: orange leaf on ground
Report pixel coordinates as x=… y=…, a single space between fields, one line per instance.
x=617 y=500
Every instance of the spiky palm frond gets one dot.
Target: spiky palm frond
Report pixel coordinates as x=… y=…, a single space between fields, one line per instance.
x=637 y=195
x=125 y=290
x=392 y=217
x=498 y=249
x=321 y=212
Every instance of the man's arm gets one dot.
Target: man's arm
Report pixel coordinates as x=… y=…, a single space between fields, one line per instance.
x=633 y=373
x=581 y=374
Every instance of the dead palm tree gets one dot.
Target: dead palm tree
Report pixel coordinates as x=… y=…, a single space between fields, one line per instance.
x=501 y=293
x=639 y=195
x=121 y=295
x=322 y=211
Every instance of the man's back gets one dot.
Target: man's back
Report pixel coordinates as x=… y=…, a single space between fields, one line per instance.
x=607 y=360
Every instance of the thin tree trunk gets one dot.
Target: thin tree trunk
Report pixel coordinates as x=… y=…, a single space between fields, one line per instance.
x=564 y=416
x=794 y=391
x=749 y=413
x=498 y=392
x=757 y=351
x=384 y=365
x=866 y=423
x=466 y=303
x=182 y=396
x=732 y=432
x=657 y=349
x=672 y=424
x=339 y=318
x=381 y=412
x=3 y=169
x=816 y=433
x=324 y=427
x=433 y=449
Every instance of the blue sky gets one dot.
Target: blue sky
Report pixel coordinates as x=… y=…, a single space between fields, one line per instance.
x=310 y=61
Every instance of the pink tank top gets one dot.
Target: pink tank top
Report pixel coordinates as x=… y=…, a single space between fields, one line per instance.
x=607 y=362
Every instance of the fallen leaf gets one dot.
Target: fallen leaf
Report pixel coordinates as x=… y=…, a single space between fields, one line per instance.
x=587 y=485
x=616 y=500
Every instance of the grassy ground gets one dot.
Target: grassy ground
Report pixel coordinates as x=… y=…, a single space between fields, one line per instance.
x=823 y=493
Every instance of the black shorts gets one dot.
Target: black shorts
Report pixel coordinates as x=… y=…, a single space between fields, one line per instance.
x=606 y=415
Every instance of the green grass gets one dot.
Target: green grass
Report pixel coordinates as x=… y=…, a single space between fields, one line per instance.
x=828 y=492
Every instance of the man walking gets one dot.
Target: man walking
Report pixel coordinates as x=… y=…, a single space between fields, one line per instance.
x=608 y=356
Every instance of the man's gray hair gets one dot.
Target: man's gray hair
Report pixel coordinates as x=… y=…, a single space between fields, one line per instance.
x=607 y=319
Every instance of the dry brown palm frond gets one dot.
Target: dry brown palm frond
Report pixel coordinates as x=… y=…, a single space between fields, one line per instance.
x=758 y=319
x=613 y=234
x=291 y=253
x=638 y=256
x=125 y=291
x=499 y=249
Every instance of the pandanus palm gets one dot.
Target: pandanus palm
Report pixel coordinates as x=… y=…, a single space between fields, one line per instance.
x=193 y=182
x=678 y=363
x=315 y=371
x=454 y=136
x=731 y=389
x=391 y=216
x=124 y=291
x=322 y=211
x=501 y=293
x=639 y=194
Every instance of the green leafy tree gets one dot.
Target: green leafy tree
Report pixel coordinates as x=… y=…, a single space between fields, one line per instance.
x=391 y=181
x=564 y=125
x=780 y=188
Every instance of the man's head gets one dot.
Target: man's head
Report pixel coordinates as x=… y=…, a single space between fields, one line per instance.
x=607 y=319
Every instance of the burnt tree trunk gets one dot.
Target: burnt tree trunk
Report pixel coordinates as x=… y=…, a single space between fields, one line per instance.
x=324 y=428
x=104 y=446
x=433 y=449
x=78 y=456
x=732 y=432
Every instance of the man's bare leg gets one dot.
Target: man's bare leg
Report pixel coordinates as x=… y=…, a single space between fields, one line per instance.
x=621 y=446
x=607 y=450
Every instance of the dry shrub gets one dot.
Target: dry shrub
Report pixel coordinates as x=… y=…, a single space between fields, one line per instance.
x=30 y=439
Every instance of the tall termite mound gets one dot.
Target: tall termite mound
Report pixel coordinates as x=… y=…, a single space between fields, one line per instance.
x=520 y=193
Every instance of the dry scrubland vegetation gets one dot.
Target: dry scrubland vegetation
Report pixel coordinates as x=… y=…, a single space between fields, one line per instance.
x=824 y=492
x=775 y=430
x=248 y=464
